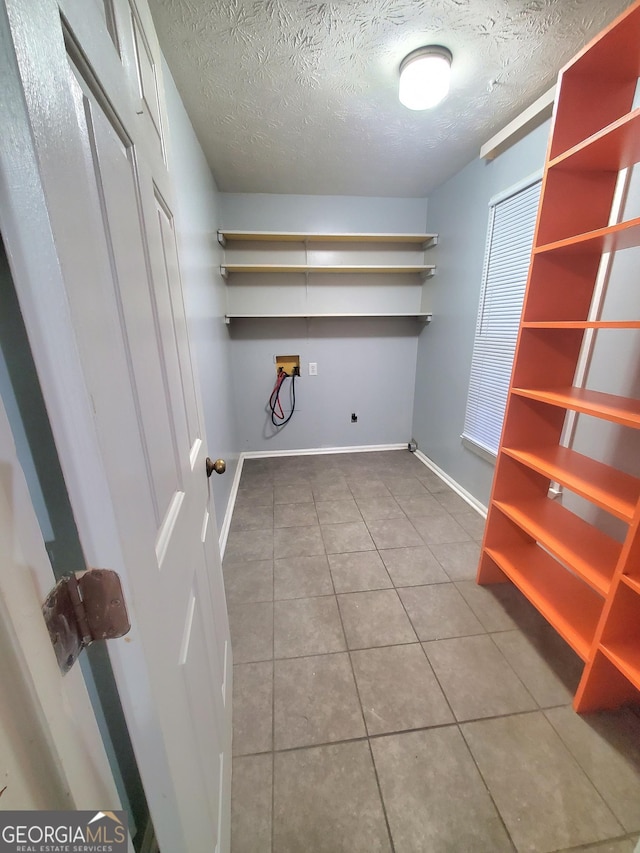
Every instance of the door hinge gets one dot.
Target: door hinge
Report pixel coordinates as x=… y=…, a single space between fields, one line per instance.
x=83 y=608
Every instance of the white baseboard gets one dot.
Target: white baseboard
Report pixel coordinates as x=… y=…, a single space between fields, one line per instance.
x=316 y=451
x=265 y=454
x=457 y=488
x=474 y=503
x=223 y=534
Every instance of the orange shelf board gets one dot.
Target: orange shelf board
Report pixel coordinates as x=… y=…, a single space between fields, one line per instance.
x=633 y=582
x=626 y=657
x=615 y=48
x=611 y=149
x=625 y=235
x=565 y=602
x=585 y=550
x=609 y=407
x=613 y=490
x=581 y=324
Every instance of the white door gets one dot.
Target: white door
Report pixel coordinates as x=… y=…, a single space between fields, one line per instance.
x=88 y=224
x=51 y=753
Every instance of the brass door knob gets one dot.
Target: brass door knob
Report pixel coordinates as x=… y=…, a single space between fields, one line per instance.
x=219 y=466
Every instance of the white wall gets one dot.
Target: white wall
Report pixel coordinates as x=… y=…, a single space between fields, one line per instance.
x=197 y=214
x=458 y=212
x=366 y=366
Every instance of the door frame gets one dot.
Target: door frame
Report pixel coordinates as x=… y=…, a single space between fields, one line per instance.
x=40 y=286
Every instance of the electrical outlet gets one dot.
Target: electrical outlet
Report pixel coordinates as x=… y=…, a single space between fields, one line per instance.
x=354 y=418
x=313 y=368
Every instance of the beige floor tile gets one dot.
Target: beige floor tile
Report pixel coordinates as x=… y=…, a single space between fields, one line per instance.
x=375 y=618
x=545 y=664
x=607 y=747
x=488 y=604
x=295 y=515
x=414 y=566
x=246 y=545
x=247 y=582
x=476 y=678
x=307 y=626
x=315 y=701
x=302 y=577
x=394 y=533
x=338 y=512
x=434 y=796
x=251 y=792
x=458 y=559
x=545 y=799
x=358 y=571
x=292 y=494
x=252 y=707
x=251 y=628
x=398 y=689
x=297 y=542
x=326 y=800
x=421 y=506
x=373 y=509
x=344 y=538
x=440 y=529
x=439 y=611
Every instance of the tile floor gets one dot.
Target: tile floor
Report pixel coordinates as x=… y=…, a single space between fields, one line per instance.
x=385 y=702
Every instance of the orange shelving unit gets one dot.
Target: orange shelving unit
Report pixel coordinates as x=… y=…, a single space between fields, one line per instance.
x=583 y=581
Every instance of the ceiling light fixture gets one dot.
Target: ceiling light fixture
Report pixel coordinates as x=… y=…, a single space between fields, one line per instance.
x=424 y=77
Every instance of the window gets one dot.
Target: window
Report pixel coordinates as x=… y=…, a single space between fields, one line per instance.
x=512 y=219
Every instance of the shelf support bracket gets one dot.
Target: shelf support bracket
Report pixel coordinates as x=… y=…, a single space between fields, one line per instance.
x=431 y=242
x=224 y=272
x=222 y=239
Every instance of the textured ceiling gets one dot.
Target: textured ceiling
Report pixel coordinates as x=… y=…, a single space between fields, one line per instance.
x=292 y=96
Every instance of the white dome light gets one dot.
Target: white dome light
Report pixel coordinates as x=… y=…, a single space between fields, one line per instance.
x=424 y=77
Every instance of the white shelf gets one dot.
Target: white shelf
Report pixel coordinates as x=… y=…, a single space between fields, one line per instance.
x=424 y=318
x=331 y=269
x=225 y=235
x=320 y=275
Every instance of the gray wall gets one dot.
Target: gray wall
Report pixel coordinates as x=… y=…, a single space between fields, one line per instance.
x=614 y=367
x=458 y=212
x=366 y=366
x=197 y=214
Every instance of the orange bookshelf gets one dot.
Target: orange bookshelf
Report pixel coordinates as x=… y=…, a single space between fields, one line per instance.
x=586 y=584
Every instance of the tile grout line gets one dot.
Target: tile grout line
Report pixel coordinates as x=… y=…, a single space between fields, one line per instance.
x=364 y=721
x=540 y=708
x=488 y=790
x=273 y=689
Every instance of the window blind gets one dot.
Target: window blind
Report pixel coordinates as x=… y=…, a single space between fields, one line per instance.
x=512 y=222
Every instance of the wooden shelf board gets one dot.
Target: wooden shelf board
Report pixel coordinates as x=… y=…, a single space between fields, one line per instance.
x=613 y=490
x=581 y=324
x=626 y=657
x=621 y=410
x=314 y=237
x=565 y=602
x=585 y=550
x=341 y=269
x=425 y=318
x=625 y=235
x=611 y=149
x=633 y=582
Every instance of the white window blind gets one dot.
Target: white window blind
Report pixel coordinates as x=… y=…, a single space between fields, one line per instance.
x=512 y=221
